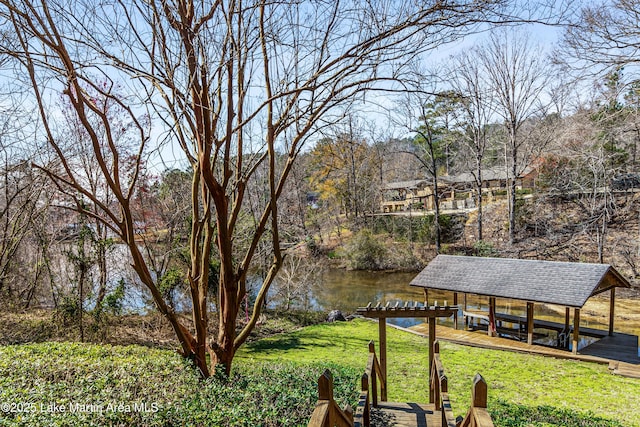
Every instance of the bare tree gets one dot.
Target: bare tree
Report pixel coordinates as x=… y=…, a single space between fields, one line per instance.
x=236 y=85
x=429 y=117
x=21 y=200
x=474 y=115
x=604 y=35
x=518 y=75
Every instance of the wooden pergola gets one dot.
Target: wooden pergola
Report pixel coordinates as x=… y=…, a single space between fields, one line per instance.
x=567 y=284
x=382 y=313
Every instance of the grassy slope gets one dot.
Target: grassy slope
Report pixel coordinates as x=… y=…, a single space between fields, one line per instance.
x=520 y=386
x=73 y=384
x=271 y=388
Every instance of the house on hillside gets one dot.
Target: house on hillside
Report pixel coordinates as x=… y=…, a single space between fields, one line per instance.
x=493 y=180
x=456 y=191
x=406 y=195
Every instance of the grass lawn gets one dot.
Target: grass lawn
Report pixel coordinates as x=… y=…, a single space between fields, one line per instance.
x=524 y=390
x=274 y=383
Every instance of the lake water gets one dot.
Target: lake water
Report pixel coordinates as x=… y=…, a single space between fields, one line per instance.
x=339 y=289
x=347 y=290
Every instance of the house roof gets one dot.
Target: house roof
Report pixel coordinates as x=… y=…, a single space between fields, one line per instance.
x=495 y=174
x=563 y=283
x=399 y=185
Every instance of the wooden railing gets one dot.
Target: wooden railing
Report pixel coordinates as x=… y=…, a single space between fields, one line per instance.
x=372 y=376
x=477 y=416
x=327 y=412
x=439 y=389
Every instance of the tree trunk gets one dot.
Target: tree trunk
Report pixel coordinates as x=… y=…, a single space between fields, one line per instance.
x=512 y=187
x=479 y=198
x=436 y=200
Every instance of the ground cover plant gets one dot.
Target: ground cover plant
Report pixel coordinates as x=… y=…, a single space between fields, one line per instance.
x=274 y=383
x=72 y=384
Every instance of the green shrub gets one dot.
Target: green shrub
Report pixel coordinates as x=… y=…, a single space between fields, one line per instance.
x=419 y=228
x=172 y=280
x=113 y=301
x=484 y=249
x=68 y=310
x=451 y=228
x=365 y=251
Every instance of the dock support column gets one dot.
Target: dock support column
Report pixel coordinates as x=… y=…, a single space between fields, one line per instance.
x=576 y=330
x=491 y=330
x=567 y=316
x=455 y=316
x=529 y=323
x=612 y=311
x=382 y=333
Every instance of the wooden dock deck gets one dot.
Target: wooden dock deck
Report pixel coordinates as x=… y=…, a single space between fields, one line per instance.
x=618 y=347
x=622 y=348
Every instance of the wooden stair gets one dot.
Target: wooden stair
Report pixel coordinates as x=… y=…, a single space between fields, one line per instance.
x=371 y=411
x=388 y=414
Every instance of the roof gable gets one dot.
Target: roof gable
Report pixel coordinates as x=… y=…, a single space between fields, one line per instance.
x=563 y=283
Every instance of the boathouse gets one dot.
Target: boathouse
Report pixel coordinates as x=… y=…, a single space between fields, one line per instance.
x=567 y=284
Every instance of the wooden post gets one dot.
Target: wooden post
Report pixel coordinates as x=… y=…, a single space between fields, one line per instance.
x=364 y=381
x=491 y=330
x=382 y=332
x=479 y=392
x=455 y=316
x=426 y=297
x=576 y=330
x=325 y=386
x=432 y=338
x=466 y=319
x=566 y=319
x=434 y=348
x=530 y=323
x=444 y=388
x=374 y=379
x=441 y=388
x=612 y=311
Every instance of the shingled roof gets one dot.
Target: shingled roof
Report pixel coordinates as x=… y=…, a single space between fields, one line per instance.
x=564 y=283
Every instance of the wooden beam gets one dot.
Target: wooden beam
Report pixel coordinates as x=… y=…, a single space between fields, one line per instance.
x=382 y=334
x=576 y=330
x=529 y=323
x=612 y=311
x=379 y=312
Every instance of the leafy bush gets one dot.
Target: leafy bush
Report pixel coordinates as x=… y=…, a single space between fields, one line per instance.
x=113 y=300
x=365 y=251
x=172 y=280
x=68 y=310
x=451 y=228
x=483 y=248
